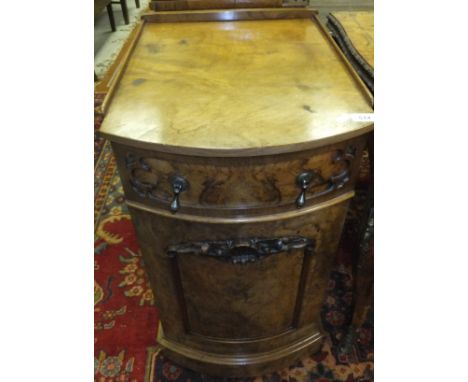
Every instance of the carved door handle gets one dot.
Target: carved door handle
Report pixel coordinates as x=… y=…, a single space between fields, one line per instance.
x=179 y=184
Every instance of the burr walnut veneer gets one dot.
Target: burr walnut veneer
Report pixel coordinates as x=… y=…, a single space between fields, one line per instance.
x=238 y=147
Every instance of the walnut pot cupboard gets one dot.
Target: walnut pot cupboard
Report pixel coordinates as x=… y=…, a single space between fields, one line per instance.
x=238 y=152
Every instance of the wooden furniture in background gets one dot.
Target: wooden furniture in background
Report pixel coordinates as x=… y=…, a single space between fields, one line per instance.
x=179 y=5
x=354 y=33
x=238 y=152
x=123 y=4
x=99 y=5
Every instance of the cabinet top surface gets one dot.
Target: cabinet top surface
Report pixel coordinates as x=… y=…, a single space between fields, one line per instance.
x=235 y=85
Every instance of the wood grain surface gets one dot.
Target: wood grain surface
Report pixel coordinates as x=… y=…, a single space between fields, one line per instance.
x=235 y=85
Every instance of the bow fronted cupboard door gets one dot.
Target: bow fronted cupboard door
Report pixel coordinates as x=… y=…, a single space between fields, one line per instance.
x=238 y=155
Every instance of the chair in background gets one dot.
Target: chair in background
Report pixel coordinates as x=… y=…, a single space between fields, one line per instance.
x=99 y=5
x=123 y=4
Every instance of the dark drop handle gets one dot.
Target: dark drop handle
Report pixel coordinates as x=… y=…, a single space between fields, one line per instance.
x=303 y=180
x=179 y=184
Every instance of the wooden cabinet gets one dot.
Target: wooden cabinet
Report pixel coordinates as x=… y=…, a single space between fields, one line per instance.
x=238 y=178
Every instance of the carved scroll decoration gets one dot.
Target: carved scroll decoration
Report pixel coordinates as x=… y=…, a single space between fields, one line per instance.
x=311 y=179
x=347 y=156
x=242 y=251
x=142 y=185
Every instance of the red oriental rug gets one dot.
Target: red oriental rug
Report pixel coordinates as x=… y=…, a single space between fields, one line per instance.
x=126 y=320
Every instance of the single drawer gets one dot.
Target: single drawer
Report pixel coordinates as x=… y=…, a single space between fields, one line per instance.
x=225 y=186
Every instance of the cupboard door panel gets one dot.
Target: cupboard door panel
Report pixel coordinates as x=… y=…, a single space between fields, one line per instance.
x=239 y=301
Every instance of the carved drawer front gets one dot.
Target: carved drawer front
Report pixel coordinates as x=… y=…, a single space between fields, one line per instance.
x=220 y=186
x=241 y=289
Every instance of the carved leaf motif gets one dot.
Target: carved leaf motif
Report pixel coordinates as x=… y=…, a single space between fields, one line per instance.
x=241 y=250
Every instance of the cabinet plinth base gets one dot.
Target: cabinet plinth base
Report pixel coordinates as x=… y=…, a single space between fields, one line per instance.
x=240 y=365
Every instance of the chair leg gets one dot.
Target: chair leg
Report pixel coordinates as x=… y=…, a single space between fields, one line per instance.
x=110 y=12
x=125 y=11
x=137 y=3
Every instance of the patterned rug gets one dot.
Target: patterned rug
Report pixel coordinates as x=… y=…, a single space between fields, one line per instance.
x=126 y=320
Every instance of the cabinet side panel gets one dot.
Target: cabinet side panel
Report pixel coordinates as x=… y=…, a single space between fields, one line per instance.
x=319 y=268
